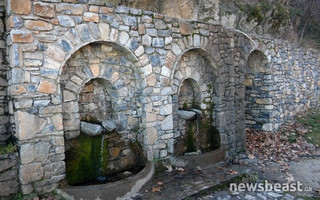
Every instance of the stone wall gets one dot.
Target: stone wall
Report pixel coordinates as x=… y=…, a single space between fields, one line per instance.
x=5 y=131
x=8 y=175
x=280 y=81
x=141 y=59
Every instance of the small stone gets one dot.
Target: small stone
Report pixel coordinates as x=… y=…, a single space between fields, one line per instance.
x=123 y=38
x=95 y=69
x=152 y=135
x=141 y=29
x=17 y=75
x=166 y=109
x=135 y=11
x=38 y=25
x=94 y=30
x=160 y=24
x=66 y=21
x=146 y=40
x=152 y=32
x=21 y=7
x=84 y=32
x=158 y=42
x=21 y=36
x=109 y=125
x=91 y=17
x=151 y=80
x=196 y=40
x=176 y=49
x=185 y=28
x=165 y=71
x=57 y=122
x=41 y=103
x=70 y=9
x=114 y=152
x=129 y=20
x=47 y=87
x=31 y=173
x=90 y=129
x=122 y=9
x=167 y=123
x=106 y=10
x=164 y=33
x=44 y=9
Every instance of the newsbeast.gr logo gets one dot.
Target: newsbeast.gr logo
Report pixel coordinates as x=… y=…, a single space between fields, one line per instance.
x=268 y=187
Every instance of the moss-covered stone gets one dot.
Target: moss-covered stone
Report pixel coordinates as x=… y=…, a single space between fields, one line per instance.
x=83 y=160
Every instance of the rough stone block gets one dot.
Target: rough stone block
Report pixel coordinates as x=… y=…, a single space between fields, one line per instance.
x=19 y=36
x=30 y=173
x=90 y=129
x=91 y=17
x=38 y=25
x=27 y=125
x=95 y=69
x=167 y=123
x=9 y=187
x=70 y=9
x=44 y=9
x=66 y=21
x=47 y=87
x=22 y=7
x=34 y=152
x=5 y=164
x=151 y=135
x=57 y=122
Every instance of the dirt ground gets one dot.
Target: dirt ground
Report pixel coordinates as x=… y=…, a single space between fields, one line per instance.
x=191 y=183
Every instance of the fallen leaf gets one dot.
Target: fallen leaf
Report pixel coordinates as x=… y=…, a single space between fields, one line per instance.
x=160 y=183
x=180 y=169
x=232 y=172
x=156 y=189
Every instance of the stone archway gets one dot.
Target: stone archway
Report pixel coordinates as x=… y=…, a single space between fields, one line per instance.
x=194 y=104
x=258 y=99
x=100 y=114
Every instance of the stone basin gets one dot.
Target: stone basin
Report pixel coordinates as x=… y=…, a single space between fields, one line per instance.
x=200 y=160
x=116 y=190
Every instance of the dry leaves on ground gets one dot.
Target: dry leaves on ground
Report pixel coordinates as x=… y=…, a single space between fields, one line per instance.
x=281 y=147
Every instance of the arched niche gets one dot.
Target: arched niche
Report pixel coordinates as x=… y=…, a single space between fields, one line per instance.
x=100 y=114
x=189 y=95
x=197 y=85
x=258 y=92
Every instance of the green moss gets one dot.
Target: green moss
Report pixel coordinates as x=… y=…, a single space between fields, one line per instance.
x=254 y=13
x=83 y=161
x=185 y=106
x=311 y=121
x=7 y=148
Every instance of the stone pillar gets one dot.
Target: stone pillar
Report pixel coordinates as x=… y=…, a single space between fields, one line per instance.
x=34 y=103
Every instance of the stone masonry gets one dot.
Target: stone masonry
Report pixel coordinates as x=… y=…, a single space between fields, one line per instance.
x=139 y=59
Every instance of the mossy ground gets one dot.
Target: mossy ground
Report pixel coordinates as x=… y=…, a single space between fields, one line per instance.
x=311 y=120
